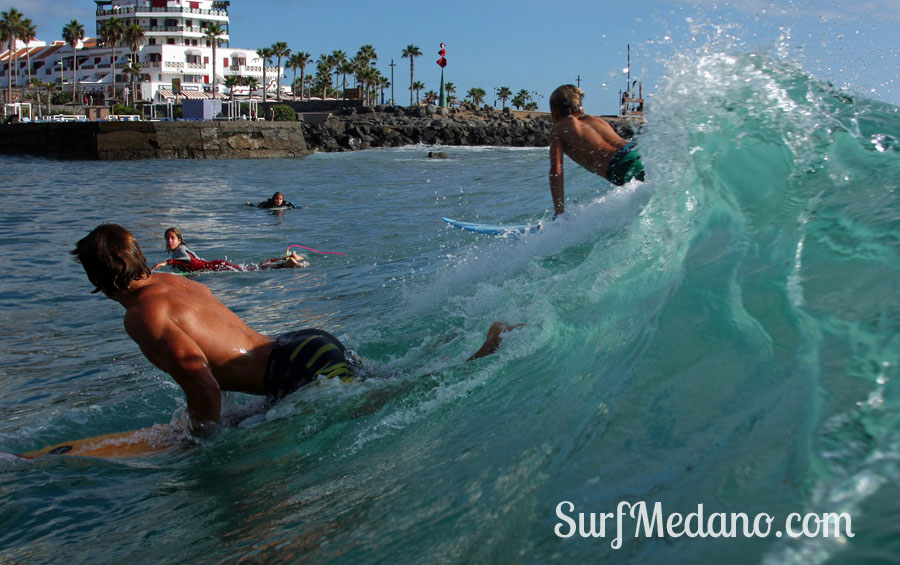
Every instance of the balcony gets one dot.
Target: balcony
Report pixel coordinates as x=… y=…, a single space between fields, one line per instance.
x=148 y=10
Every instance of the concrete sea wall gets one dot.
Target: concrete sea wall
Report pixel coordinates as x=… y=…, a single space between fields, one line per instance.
x=154 y=140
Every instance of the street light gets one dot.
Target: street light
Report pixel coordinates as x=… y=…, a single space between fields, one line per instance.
x=392 y=65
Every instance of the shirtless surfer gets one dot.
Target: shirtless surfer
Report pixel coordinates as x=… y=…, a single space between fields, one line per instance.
x=185 y=331
x=589 y=141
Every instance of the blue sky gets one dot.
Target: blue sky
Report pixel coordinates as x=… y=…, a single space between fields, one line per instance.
x=526 y=45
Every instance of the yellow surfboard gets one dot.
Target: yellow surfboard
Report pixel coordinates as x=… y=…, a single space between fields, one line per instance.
x=122 y=444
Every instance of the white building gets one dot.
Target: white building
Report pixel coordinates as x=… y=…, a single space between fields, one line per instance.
x=174 y=50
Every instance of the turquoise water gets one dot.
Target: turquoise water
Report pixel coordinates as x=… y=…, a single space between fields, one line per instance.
x=725 y=334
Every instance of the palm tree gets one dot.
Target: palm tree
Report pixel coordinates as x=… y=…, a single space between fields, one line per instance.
x=521 y=99
x=338 y=58
x=50 y=86
x=450 y=89
x=431 y=96
x=230 y=82
x=303 y=59
x=417 y=86
x=324 y=66
x=72 y=33
x=112 y=33
x=134 y=37
x=345 y=68
x=298 y=61
x=213 y=32
x=10 y=31
x=503 y=93
x=28 y=34
x=411 y=52
x=280 y=49
x=383 y=83
x=265 y=53
x=365 y=58
x=370 y=77
x=477 y=95
x=134 y=71
x=37 y=84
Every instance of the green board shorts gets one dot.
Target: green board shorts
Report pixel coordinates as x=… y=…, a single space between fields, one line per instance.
x=625 y=165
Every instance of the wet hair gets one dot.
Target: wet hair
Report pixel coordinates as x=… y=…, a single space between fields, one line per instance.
x=176 y=232
x=276 y=195
x=111 y=258
x=566 y=100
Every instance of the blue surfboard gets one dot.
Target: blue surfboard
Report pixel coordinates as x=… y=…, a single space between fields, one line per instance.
x=493 y=229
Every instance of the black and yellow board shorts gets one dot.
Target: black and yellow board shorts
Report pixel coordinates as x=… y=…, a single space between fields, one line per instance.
x=298 y=358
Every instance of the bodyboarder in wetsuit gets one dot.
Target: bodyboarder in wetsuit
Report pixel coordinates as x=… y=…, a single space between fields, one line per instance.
x=186 y=260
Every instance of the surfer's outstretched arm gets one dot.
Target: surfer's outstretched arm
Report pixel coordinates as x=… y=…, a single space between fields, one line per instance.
x=492 y=342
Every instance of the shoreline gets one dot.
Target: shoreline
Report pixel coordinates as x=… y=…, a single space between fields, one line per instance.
x=347 y=129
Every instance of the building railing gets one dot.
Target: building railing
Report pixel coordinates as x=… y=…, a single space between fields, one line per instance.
x=181 y=29
x=132 y=10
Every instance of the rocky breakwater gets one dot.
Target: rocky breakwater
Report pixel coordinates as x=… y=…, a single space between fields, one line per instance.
x=394 y=126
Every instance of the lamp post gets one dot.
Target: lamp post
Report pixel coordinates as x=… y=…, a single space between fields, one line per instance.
x=392 y=65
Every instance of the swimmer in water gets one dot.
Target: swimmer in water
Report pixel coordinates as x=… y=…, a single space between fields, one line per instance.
x=276 y=201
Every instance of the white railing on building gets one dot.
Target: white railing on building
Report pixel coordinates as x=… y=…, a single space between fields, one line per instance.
x=132 y=10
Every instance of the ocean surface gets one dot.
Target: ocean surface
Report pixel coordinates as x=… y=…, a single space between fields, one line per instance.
x=724 y=334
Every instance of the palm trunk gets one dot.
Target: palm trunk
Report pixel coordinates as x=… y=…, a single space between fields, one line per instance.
x=214 y=70
x=411 y=80
x=74 y=75
x=278 y=81
x=114 y=72
x=134 y=79
x=9 y=74
x=302 y=80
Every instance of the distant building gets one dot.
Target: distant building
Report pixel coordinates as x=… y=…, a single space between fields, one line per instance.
x=174 y=51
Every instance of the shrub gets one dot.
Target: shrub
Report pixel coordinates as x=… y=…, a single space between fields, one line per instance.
x=284 y=113
x=123 y=110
